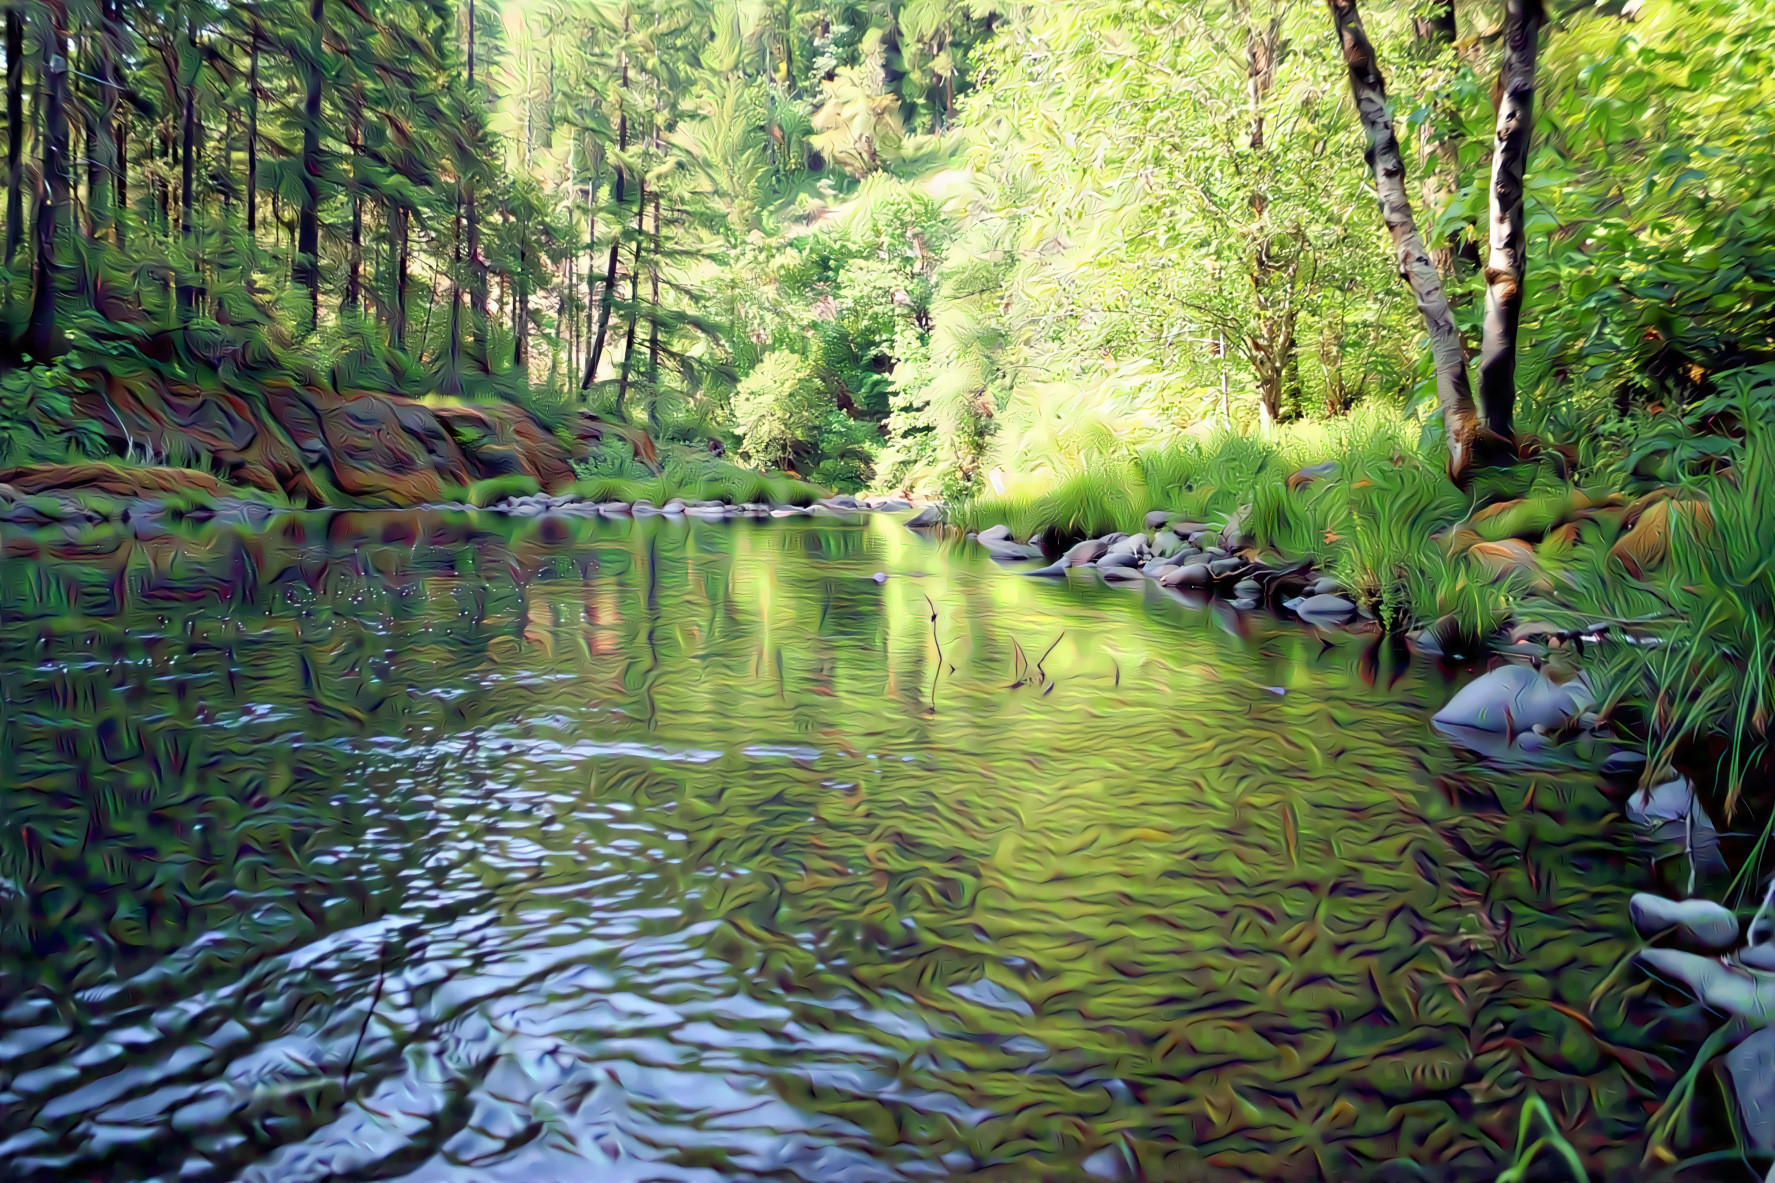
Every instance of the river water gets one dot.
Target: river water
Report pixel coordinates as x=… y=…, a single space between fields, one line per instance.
x=396 y=846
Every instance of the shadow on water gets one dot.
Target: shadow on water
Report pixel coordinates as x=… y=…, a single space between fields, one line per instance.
x=390 y=846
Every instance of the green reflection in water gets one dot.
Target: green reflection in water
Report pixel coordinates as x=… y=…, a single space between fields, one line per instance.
x=665 y=850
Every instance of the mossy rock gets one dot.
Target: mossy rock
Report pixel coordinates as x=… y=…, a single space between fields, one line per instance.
x=1647 y=544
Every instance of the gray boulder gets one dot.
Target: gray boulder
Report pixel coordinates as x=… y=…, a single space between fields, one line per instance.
x=1122 y=574
x=1192 y=575
x=1673 y=813
x=1156 y=518
x=1511 y=698
x=998 y=533
x=1701 y=923
x=1118 y=558
x=1167 y=544
x=1221 y=568
x=1088 y=551
x=1248 y=589
x=1157 y=566
x=1728 y=989
x=1326 y=608
x=1751 y=1066
x=930 y=515
x=1000 y=549
x=1326 y=586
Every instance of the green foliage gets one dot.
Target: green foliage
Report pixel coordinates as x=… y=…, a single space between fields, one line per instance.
x=779 y=410
x=494 y=489
x=37 y=420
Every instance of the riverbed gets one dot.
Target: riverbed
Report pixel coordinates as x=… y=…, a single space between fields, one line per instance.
x=388 y=846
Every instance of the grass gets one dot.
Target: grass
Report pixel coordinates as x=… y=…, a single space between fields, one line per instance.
x=613 y=474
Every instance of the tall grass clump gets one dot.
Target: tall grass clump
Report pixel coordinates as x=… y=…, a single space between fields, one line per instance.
x=1710 y=669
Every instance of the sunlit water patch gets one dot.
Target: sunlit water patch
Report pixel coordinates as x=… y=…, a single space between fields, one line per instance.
x=693 y=851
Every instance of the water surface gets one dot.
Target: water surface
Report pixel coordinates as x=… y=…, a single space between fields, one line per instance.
x=390 y=846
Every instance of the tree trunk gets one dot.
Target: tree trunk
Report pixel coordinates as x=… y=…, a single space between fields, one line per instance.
x=53 y=207
x=477 y=266
x=187 y=167
x=306 y=268
x=397 y=316
x=622 y=139
x=1507 y=263
x=354 y=269
x=1439 y=150
x=15 y=131
x=521 y=307
x=1467 y=435
x=253 y=143
x=628 y=349
x=653 y=323
x=102 y=169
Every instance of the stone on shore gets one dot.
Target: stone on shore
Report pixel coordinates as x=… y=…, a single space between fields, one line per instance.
x=1751 y=1066
x=930 y=515
x=1156 y=518
x=1192 y=575
x=1728 y=989
x=1088 y=551
x=1514 y=698
x=1325 y=609
x=998 y=533
x=1701 y=923
x=1122 y=574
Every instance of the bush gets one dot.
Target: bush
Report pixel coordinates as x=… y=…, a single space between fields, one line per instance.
x=779 y=409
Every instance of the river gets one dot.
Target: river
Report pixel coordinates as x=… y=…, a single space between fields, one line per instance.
x=399 y=847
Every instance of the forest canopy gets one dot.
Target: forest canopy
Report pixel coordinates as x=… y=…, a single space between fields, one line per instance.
x=929 y=245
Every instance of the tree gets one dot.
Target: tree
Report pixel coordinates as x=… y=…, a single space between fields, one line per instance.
x=1470 y=440
x=1508 y=261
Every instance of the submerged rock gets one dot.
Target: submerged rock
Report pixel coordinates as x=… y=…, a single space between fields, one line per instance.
x=1672 y=813
x=930 y=515
x=1515 y=698
x=1127 y=574
x=1701 y=923
x=1725 y=988
x=1005 y=549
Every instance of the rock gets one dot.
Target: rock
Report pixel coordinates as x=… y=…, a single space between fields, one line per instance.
x=1167 y=544
x=1185 y=529
x=1512 y=699
x=1618 y=762
x=1055 y=568
x=893 y=505
x=1206 y=539
x=1193 y=575
x=1156 y=518
x=1728 y=989
x=930 y=515
x=1157 y=566
x=1510 y=557
x=1293 y=603
x=1326 y=608
x=1130 y=544
x=1759 y=957
x=1244 y=603
x=1751 y=1066
x=1658 y=524
x=614 y=508
x=998 y=533
x=1673 y=814
x=1210 y=553
x=793 y=511
x=1221 y=568
x=1701 y=923
x=1248 y=589
x=675 y=505
x=1326 y=586
x=1010 y=550
x=642 y=506
x=1233 y=533
x=1118 y=558
x=707 y=512
x=1301 y=477
x=843 y=501
x=1122 y=574
x=1189 y=552
x=1088 y=551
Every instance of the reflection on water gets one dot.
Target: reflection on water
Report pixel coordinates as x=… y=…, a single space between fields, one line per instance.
x=379 y=849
